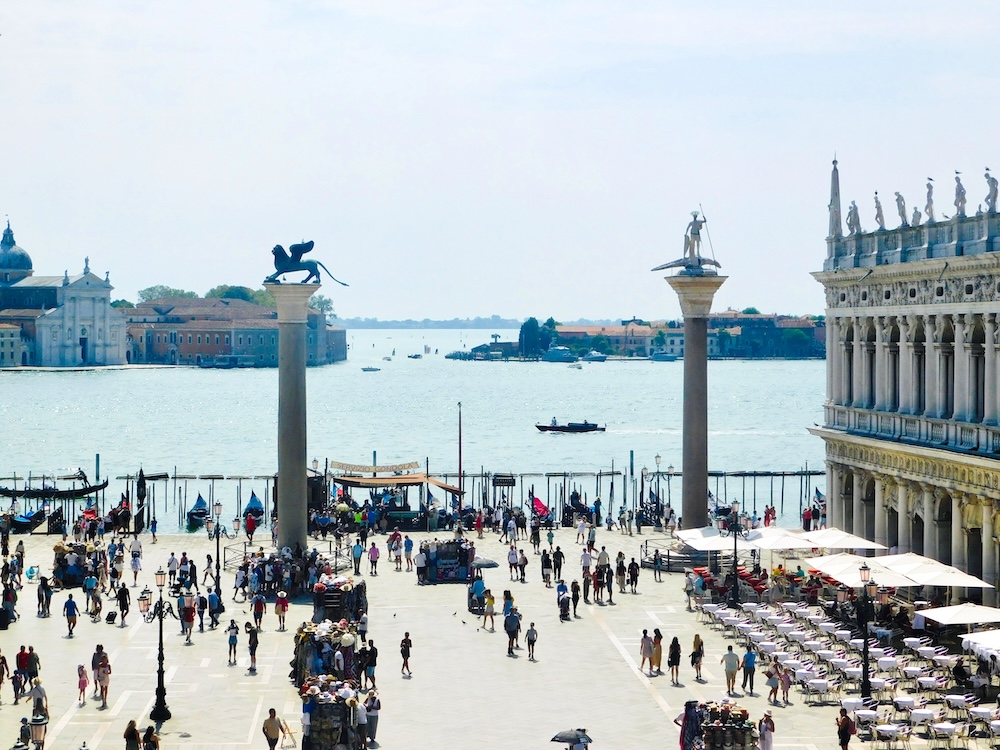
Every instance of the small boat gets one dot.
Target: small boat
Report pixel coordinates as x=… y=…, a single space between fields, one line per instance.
x=595 y=356
x=198 y=514
x=575 y=366
x=28 y=522
x=558 y=354
x=254 y=507
x=51 y=493
x=570 y=427
x=662 y=356
x=370 y=369
x=415 y=356
x=387 y=359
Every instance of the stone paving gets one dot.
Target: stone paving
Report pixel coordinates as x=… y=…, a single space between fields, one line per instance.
x=465 y=691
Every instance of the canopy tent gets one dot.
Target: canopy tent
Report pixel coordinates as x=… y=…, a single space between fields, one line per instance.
x=397 y=480
x=984 y=643
x=834 y=538
x=774 y=537
x=846 y=569
x=915 y=571
x=710 y=539
x=927 y=571
x=963 y=614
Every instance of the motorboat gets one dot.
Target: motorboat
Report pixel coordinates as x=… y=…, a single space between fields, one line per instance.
x=414 y=356
x=584 y=426
x=595 y=356
x=575 y=366
x=559 y=354
x=662 y=356
x=370 y=369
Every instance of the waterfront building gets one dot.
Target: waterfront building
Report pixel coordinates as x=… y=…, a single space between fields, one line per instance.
x=11 y=346
x=64 y=321
x=911 y=410
x=227 y=332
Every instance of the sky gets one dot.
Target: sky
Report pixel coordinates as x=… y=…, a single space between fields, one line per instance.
x=461 y=158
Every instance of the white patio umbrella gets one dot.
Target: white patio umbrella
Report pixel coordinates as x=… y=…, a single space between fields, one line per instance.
x=963 y=614
x=986 y=640
x=710 y=539
x=836 y=539
x=846 y=569
x=773 y=537
x=946 y=576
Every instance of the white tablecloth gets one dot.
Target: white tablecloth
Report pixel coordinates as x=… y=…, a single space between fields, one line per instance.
x=889 y=730
x=877 y=683
x=995 y=725
x=852 y=704
x=804 y=674
x=818 y=686
x=815 y=619
x=840 y=663
x=945 y=727
x=749 y=606
x=857 y=643
x=813 y=645
x=826 y=654
x=798 y=635
x=745 y=627
x=863 y=714
x=768 y=647
x=853 y=673
x=913 y=643
x=945 y=661
x=922 y=715
x=828 y=627
x=888 y=662
x=759 y=635
x=912 y=672
x=982 y=713
x=788 y=606
x=730 y=620
x=791 y=664
x=927 y=652
x=956 y=701
x=876 y=653
x=904 y=701
x=927 y=683
x=842 y=635
x=786 y=627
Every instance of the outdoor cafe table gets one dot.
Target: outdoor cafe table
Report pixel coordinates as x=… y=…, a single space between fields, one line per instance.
x=779 y=655
x=786 y=627
x=768 y=647
x=816 y=619
x=904 y=702
x=827 y=627
x=798 y=635
x=913 y=672
x=826 y=654
x=788 y=606
x=804 y=674
x=887 y=663
x=913 y=643
x=792 y=664
x=852 y=704
x=842 y=635
x=746 y=627
x=813 y=645
x=889 y=730
x=853 y=672
x=927 y=683
x=759 y=635
x=858 y=643
x=956 y=701
x=876 y=653
x=995 y=726
x=775 y=619
x=927 y=652
x=750 y=606
x=865 y=715
x=946 y=660
x=817 y=686
x=981 y=713
x=877 y=683
x=840 y=663
x=920 y=716
x=945 y=727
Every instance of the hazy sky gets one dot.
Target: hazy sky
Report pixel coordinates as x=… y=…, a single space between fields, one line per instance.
x=468 y=158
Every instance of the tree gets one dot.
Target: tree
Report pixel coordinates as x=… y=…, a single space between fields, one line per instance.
x=224 y=291
x=263 y=297
x=528 y=339
x=601 y=343
x=660 y=339
x=122 y=303
x=796 y=342
x=547 y=335
x=322 y=303
x=751 y=311
x=160 y=292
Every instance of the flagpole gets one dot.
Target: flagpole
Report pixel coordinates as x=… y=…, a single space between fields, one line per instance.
x=460 y=478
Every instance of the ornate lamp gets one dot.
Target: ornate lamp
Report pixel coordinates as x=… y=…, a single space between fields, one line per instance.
x=236 y=524
x=39 y=726
x=218 y=509
x=209 y=526
x=160 y=576
x=145 y=599
x=842 y=595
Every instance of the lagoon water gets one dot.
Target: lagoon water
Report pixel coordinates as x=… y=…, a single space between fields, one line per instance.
x=223 y=421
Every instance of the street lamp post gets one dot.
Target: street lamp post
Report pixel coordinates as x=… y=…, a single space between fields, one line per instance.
x=215 y=529
x=670 y=475
x=735 y=528
x=160 y=712
x=659 y=500
x=864 y=609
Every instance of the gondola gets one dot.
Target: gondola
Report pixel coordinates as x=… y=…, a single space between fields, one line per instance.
x=254 y=507
x=198 y=513
x=50 y=493
x=28 y=522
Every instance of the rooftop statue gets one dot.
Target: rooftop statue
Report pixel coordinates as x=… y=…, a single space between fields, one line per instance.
x=929 y=208
x=959 y=196
x=879 y=216
x=917 y=216
x=901 y=208
x=853 y=219
x=991 y=198
x=291 y=262
x=692 y=257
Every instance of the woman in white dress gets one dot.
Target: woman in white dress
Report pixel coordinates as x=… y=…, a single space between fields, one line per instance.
x=766 y=728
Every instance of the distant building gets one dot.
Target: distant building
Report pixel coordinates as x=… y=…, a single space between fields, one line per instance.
x=11 y=346
x=64 y=321
x=223 y=332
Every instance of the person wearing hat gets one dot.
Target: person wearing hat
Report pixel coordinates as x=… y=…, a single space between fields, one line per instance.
x=766 y=728
x=372 y=706
x=280 y=608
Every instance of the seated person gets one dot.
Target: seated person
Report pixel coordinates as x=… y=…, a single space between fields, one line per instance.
x=799 y=573
x=961 y=674
x=902 y=619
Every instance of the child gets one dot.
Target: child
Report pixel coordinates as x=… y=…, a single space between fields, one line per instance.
x=531 y=636
x=82 y=680
x=786 y=683
x=25 y=733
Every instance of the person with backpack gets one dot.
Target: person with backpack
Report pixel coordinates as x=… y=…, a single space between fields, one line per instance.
x=845 y=728
x=202 y=606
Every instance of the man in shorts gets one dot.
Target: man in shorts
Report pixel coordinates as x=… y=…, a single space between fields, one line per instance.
x=731 y=663
x=71 y=610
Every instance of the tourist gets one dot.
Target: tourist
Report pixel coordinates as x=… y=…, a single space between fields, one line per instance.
x=633 y=575
x=150 y=740
x=132 y=738
x=488 y=609
x=697 y=655
x=360 y=721
x=70 y=610
x=731 y=664
x=749 y=666
x=34 y=664
x=550 y=537
x=581 y=531
x=373 y=553
x=405 y=646
x=575 y=596
x=202 y=608
x=250 y=527
x=773 y=675
x=258 y=604
x=508 y=602
x=82 y=681
x=136 y=567
x=546 y=564
x=558 y=557
x=4 y=671
x=370 y=664
x=674 y=660
x=522 y=564
x=646 y=651
x=588 y=581
x=766 y=729
x=124 y=599
x=187 y=622
x=689 y=587
x=95 y=662
x=372 y=706
x=512 y=562
x=690 y=723
x=785 y=677
x=39 y=698
x=531 y=636
x=104 y=678
x=844 y=726
x=609 y=582
x=512 y=626
x=273 y=729
x=408 y=550
x=232 y=632
x=656 y=658
x=620 y=572
x=215 y=608
x=252 y=646
x=208 y=570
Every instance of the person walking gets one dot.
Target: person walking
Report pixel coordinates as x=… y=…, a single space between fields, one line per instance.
x=95 y=662
x=844 y=726
x=150 y=740
x=254 y=640
x=214 y=608
x=655 y=660
x=674 y=660
x=281 y=609
x=530 y=637
x=370 y=665
x=233 y=632
x=258 y=604
x=558 y=557
x=785 y=677
x=646 y=652
x=132 y=738
x=731 y=664
x=372 y=705
x=773 y=681
x=373 y=553
x=633 y=575
x=405 y=647
x=749 y=665
x=697 y=655
x=357 y=552
x=70 y=610
x=273 y=729
x=574 y=591
x=511 y=626
x=104 y=678
x=82 y=681
x=489 y=609
x=766 y=729
x=124 y=600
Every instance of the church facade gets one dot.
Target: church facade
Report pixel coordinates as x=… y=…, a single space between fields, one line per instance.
x=912 y=409
x=65 y=321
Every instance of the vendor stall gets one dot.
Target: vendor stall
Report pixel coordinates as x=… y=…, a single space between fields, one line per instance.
x=727 y=725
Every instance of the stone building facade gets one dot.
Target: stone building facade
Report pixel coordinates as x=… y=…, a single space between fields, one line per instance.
x=912 y=410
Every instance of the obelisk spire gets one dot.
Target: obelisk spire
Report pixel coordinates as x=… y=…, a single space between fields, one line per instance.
x=836 y=230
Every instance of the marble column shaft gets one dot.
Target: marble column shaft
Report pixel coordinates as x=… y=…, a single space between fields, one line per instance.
x=989 y=554
x=989 y=352
x=881 y=514
x=932 y=353
x=858 y=501
x=962 y=384
x=930 y=527
x=904 y=523
x=858 y=384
